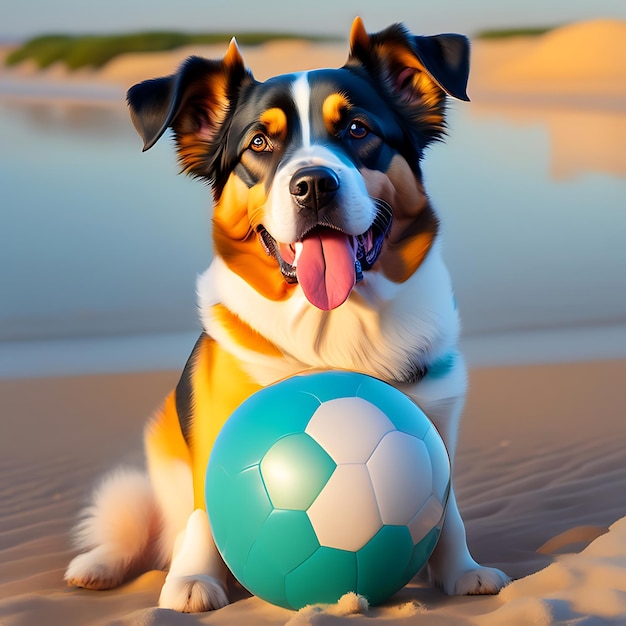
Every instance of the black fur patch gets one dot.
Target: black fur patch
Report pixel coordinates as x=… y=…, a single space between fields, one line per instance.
x=184 y=392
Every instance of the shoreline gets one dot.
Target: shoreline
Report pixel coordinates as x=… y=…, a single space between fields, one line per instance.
x=485 y=98
x=37 y=90
x=158 y=352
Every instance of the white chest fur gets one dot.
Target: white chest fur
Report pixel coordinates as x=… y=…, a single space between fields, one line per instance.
x=388 y=330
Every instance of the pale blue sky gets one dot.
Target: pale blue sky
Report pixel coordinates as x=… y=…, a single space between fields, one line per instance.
x=23 y=18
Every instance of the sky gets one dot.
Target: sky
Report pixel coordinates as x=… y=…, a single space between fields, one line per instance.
x=24 y=18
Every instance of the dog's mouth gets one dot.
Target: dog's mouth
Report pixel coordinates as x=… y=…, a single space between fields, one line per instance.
x=326 y=261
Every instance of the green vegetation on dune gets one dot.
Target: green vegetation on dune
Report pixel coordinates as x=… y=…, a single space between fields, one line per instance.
x=505 y=33
x=77 y=51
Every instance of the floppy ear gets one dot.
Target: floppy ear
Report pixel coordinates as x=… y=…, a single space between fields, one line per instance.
x=194 y=102
x=417 y=71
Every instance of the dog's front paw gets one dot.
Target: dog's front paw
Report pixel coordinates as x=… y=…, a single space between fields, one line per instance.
x=192 y=594
x=479 y=580
x=95 y=570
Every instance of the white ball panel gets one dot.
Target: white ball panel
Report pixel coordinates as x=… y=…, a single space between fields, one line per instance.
x=348 y=428
x=402 y=477
x=426 y=519
x=345 y=515
x=440 y=462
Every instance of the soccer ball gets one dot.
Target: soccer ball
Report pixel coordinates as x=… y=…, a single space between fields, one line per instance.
x=327 y=483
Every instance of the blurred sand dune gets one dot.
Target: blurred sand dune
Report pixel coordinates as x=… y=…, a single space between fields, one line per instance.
x=585 y=58
x=572 y=80
x=581 y=59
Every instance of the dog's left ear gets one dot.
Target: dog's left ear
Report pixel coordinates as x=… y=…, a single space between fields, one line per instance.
x=417 y=71
x=402 y=55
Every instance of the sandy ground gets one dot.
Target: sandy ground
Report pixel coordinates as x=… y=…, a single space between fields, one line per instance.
x=541 y=466
x=540 y=475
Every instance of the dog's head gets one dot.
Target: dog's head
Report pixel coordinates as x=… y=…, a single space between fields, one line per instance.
x=316 y=175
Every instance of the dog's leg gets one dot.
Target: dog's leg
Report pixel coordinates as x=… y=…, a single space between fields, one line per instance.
x=197 y=578
x=451 y=565
x=117 y=531
x=197 y=575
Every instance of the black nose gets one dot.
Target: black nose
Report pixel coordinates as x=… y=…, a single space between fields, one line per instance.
x=314 y=187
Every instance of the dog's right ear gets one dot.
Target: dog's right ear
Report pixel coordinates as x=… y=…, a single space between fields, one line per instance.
x=194 y=102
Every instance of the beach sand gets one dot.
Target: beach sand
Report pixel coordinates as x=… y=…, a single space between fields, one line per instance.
x=540 y=477
x=541 y=465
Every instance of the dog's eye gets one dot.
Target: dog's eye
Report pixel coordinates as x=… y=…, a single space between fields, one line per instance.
x=260 y=143
x=358 y=130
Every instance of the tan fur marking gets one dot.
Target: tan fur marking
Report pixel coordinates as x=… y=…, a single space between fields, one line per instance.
x=219 y=387
x=206 y=100
x=275 y=121
x=257 y=196
x=415 y=225
x=424 y=96
x=399 y=261
x=358 y=34
x=399 y=187
x=233 y=56
x=236 y=213
x=231 y=210
x=243 y=334
x=429 y=91
x=163 y=436
x=333 y=110
x=190 y=138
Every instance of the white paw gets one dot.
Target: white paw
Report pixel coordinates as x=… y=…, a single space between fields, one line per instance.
x=93 y=570
x=476 y=581
x=192 y=594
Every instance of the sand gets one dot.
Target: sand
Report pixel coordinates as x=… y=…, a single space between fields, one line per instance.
x=541 y=466
x=540 y=477
x=583 y=58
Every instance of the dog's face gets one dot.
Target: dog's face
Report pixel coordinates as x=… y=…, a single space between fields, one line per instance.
x=316 y=175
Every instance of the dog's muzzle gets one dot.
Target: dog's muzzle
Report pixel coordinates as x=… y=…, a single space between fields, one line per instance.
x=364 y=249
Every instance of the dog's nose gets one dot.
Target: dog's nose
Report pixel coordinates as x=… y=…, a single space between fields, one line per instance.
x=314 y=187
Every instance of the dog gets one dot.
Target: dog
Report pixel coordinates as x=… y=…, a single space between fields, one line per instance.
x=327 y=255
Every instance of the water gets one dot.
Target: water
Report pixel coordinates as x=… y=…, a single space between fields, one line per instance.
x=98 y=240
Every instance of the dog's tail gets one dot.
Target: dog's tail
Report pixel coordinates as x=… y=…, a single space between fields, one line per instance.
x=118 y=532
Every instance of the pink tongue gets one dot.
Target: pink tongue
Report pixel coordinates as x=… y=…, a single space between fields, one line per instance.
x=325 y=268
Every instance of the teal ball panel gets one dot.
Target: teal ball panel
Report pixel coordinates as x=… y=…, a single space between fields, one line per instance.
x=383 y=563
x=401 y=410
x=237 y=506
x=285 y=541
x=324 y=577
x=261 y=575
x=422 y=551
x=259 y=422
x=295 y=470
x=289 y=537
